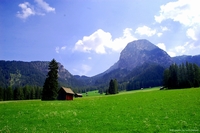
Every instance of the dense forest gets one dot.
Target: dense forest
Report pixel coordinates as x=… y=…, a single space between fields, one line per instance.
x=20 y=93
x=182 y=76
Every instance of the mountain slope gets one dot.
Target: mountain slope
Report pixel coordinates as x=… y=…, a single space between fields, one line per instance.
x=138 y=52
x=187 y=58
x=19 y=73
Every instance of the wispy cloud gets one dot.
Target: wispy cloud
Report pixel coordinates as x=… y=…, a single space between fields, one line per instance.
x=28 y=10
x=89 y=58
x=60 y=49
x=45 y=6
x=144 y=30
x=101 y=41
x=83 y=69
x=164 y=28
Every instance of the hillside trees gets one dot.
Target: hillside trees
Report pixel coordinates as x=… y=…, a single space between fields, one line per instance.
x=50 y=87
x=145 y=76
x=182 y=76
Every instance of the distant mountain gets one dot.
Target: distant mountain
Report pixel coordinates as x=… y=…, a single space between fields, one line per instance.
x=19 y=73
x=187 y=58
x=138 y=52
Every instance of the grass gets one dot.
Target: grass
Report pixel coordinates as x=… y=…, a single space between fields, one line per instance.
x=136 y=111
x=92 y=93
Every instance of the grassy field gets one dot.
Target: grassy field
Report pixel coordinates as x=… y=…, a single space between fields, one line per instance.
x=136 y=111
x=92 y=93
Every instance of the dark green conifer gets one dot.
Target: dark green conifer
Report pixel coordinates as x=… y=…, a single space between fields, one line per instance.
x=113 y=87
x=50 y=87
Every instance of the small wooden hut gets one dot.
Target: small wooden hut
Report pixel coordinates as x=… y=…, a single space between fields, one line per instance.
x=78 y=95
x=65 y=94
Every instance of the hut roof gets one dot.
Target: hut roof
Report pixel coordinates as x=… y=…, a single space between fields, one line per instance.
x=67 y=90
x=79 y=94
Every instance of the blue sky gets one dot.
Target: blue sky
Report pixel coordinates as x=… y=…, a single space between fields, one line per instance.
x=87 y=36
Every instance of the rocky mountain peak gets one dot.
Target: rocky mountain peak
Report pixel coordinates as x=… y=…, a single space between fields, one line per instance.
x=138 y=52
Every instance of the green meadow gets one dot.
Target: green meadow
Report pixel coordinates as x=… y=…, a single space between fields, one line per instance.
x=149 y=110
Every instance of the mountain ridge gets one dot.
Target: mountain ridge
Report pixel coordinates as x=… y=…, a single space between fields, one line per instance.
x=139 y=52
x=139 y=62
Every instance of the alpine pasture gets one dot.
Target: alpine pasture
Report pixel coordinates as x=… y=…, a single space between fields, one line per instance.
x=148 y=110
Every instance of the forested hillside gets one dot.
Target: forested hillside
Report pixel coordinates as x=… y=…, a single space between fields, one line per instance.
x=19 y=74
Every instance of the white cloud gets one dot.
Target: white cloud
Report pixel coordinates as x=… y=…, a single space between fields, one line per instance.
x=94 y=42
x=164 y=28
x=89 y=58
x=171 y=54
x=59 y=49
x=191 y=34
x=180 y=49
x=100 y=41
x=161 y=30
x=144 y=30
x=120 y=43
x=161 y=46
x=159 y=34
x=45 y=6
x=189 y=48
x=185 y=12
x=29 y=10
x=63 y=47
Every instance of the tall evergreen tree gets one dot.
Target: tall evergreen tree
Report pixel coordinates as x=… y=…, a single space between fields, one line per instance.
x=50 y=86
x=196 y=75
x=166 y=78
x=1 y=94
x=18 y=94
x=113 y=87
x=9 y=93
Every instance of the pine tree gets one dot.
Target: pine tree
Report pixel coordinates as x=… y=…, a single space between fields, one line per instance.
x=1 y=94
x=9 y=93
x=196 y=75
x=26 y=91
x=113 y=87
x=50 y=86
x=166 y=78
x=18 y=94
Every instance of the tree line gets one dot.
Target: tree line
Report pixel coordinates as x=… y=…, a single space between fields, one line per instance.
x=182 y=76
x=20 y=93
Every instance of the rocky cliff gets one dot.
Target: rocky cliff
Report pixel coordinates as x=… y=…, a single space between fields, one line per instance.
x=138 y=52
